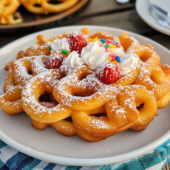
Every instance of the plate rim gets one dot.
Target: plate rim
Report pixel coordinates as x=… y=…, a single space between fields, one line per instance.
x=84 y=161
x=159 y=28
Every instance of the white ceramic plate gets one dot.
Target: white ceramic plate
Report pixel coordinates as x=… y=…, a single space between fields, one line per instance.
x=50 y=146
x=142 y=7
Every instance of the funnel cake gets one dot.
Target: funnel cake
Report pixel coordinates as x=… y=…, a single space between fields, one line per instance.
x=120 y=113
x=93 y=86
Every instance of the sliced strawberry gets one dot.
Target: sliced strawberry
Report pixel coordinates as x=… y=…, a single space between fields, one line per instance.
x=77 y=41
x=54 y=61
x=108 y=73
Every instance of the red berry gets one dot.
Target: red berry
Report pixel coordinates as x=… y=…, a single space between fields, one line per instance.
x=77 y=41
x=108 y=73
x=54 y=61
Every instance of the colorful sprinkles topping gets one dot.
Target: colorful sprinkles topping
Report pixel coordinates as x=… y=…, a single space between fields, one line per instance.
x=107 y=43
x=50 y=48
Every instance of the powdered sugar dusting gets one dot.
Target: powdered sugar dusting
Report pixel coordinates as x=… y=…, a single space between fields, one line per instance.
x=38 y=64
x=132 y=46
x=21 y=70
x=29 y=99
x=99 y=124
x=90 y=83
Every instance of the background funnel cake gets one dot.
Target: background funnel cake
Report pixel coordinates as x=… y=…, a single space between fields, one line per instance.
x=93 y=86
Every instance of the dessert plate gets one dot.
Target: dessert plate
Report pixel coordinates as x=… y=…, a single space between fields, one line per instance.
x=142 y=7
x=49 y=145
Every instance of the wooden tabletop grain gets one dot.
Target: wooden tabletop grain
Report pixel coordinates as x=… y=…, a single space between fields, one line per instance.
x=106 y=13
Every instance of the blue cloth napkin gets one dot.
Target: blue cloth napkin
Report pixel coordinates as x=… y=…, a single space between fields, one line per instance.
x=14 y=160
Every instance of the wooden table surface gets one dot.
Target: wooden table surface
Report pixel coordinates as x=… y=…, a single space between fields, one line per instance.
x=106 y=13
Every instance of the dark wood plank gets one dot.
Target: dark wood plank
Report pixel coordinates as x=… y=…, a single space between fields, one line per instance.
x=162 y=39
x=128 y=20
x=101 y=6
x=7 y=38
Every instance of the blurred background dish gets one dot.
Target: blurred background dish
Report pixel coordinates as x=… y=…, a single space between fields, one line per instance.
x=162 y=21
x=143 y=9
x=33 y=21
x=125 y=1
x=122 y=1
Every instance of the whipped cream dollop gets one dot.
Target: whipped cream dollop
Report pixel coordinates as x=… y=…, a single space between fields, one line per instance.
x=94 y=55
x=60 y=44
x=73 y=60
x=128 y=62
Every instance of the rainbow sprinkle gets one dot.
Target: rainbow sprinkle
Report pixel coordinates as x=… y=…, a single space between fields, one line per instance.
x=116 y=42
x=65 y=51
x=106 y=46
x=50 y=48
x=110 y=58
x=91 y=40
x=112 y=42
x=112 y=55
x=107 y=41
x=114 y=62
x=107 y=50
x=118 y=45
x=118 y=59
x=102 y=40
x=112 y=46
